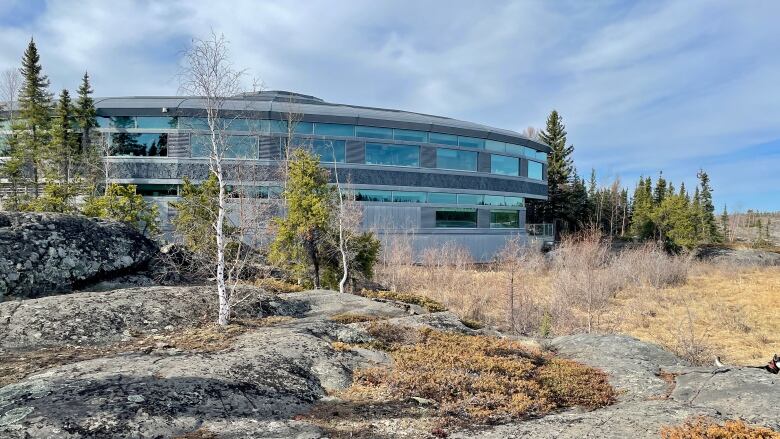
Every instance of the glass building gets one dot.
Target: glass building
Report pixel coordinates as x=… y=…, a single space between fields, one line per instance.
x=435 y=178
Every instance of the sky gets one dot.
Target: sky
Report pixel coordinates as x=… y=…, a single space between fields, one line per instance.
x=643 y=86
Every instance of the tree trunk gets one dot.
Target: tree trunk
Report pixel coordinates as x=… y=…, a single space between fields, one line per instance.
x=224 y=300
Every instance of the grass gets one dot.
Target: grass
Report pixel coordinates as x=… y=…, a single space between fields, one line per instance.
x=427 y=303
x=701 y=428
x=277 y=286
x=348 y=317
x=480 y=378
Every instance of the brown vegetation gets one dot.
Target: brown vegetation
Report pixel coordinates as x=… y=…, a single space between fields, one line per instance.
x=702 y=428
x=429 y=304
x=348 y=317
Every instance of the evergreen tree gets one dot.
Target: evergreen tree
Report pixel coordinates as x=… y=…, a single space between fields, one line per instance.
x=642 y=212
x=724 y=223
x=559 y=172
x=708 y=231
x=63 y=147
x=660 y=190
x=31 y=128
x=579 y=206
x=86 y=115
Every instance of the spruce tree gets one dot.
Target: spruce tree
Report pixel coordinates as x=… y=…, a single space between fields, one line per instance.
x=31 y=130
x=660 y=190
x=63 y=146
x=559 y=172
x=724 y=223
x=708 y=229
x=86 y=115
x=642 y=210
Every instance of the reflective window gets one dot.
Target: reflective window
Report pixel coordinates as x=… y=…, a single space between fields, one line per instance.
x=444 y=139
x=514 y=149
x=334 y=129
x=3 y=146
x=463 y=218
x=243 y=191
x=139 y=145
x=470 y=199
x=442 y=197
x=503 y=165
x=329 y=150
x=534 y=170
x=492 y=145
x=410 y=135
x=282 y=127
x=236 y=147
x=373 y=132
x=193 y=123
x=494 y=200
x=157 y=190
x=529 y=152
x=456 y=159
x=504 y=219
x=122 y=122
x=471 y=142
x=157 y=122
x=514 y=201
x=103 y=122
x=541 y=155
x=408 y=197
x=392 y=155
x=370 y=195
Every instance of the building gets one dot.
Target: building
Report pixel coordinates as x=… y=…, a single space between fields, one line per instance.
x=435 y=178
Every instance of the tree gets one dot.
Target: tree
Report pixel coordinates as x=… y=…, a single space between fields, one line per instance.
x=347 y=219
x=196 y=214
x=31 y=129
x=85 y=113
x=708 y=231
x=724 y=224
x=300 y=233
x=642 y=212
x=63 y=147
x=660 y=191
x=559 y=172
x=208 y=73
x=121 y=203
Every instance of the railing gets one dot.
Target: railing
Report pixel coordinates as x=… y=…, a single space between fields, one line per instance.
x=539 y=229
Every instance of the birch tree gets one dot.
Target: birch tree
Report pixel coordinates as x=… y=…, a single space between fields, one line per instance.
x=208 y=73
x=347 y=218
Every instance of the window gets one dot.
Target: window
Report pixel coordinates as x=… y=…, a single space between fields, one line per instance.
x=282 y=127
x=492 y=145
x=156 y=190
x=541 y=155
x=514 y=149
x=139 y=145
x=444 y=139
x=456 y=159
x=329 y=150
x=410 y=135
x=494 y=200
x=369 y=195
x=103 y=122
x=193 y=123
x=534 y=170
x=334 y=129
x=408 y=197
x=463 y=218
x=442 y=198
x=503 y=165
x=3 y=146
x=470 y=199
x=515 y=201
x=157 y=122
x=373 y=132
x=253 y=191
x=529 y=152
x=392 y=155
x=237 y=147
x=122 y=122
x=471 y=142
x=504 y=219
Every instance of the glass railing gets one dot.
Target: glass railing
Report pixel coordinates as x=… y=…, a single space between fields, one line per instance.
x=539 y=229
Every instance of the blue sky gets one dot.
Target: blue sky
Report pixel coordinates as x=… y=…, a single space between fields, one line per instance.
x=642 y=86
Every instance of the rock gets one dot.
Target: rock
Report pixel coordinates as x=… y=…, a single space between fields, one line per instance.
x=741 y=257
x=48 y=253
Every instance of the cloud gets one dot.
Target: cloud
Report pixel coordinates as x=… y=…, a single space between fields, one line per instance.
x=642 y=86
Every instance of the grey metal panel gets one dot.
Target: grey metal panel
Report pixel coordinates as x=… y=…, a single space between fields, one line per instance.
x=544 y=171
x=398 y=218
x=355 y=151
x=269 y=148
x=483 y=218
x=483 y=162
x=427 y=217
x=427 y=157
x=178 y=145
x=483 y=247
x=523 y=168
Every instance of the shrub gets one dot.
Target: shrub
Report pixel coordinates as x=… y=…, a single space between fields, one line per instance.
x=414 y=299
x=277 y=285
x=481 y=378
x=702 y=428
x=347 y=318
x=121 y=203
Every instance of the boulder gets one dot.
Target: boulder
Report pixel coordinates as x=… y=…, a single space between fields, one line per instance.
x=744 y=257
x=48 y=253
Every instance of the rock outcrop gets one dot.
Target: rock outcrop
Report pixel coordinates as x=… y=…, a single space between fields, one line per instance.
x=746 y=257
x=46 y=253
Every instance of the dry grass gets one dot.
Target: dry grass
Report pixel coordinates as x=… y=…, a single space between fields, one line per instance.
x=701 y=428
x=348 y=317
x=429 y=304
x=277 y=286
x=201 y=433
x=481 y=378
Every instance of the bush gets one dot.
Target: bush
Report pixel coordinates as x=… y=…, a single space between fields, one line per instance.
x=481 y=378
x=277 y=286
x=348 y=317
x=430 y=305
x=702 y=428
x=121 y=203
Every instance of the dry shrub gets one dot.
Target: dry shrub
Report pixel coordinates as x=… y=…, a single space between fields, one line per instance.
x=413 y=299
x=201 y=433
x=690 y=343
x=516 y=264
x=482 y=378
x=348 y=317
x=702 y=428
x=651 y=265
x=277 y=286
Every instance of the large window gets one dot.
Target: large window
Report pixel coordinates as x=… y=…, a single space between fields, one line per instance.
x=504 y=219
x=334 y=129
x=442 y=198
x=373 y=132
x=392 y=155
x=503 y=165
x=121 y=122
x=470 y=199
x=492 y=145
x=471 y=142
x=462 y=218
x=139 y=145
x=157 y=122
x=534 y=170
x=444 y=139
x=329 y=150
x=371 y=195
x=408 y=197
x=236 y=147
x=410 y=135
x=156 y=190
x=456 y=159
x=283 y=127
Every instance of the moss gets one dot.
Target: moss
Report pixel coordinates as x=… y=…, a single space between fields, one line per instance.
x=702 y=428
x=430 y=305
x=278 y=286
x=347 y=318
